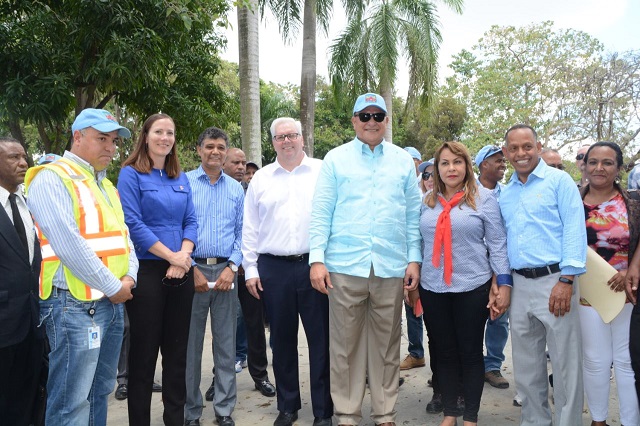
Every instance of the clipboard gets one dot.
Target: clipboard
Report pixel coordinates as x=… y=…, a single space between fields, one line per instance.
x=594 y=287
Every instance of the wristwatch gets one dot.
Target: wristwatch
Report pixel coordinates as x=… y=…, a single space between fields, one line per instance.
x=233 y=267
x=565 y=280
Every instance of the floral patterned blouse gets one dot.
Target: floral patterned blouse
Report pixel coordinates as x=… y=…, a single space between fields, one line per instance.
x=608 y=232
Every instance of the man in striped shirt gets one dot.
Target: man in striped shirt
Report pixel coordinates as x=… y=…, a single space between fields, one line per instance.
x=219 y=203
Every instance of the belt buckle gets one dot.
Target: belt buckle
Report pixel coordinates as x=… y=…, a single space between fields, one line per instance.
x=534 y=273
x=212 y=260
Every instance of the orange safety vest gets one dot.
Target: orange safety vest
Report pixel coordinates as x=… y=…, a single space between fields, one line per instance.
x=100 y=222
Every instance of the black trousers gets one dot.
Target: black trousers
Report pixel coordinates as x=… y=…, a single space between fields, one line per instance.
x=253 y=315
x=456 y=322
x=288 y=294
x=634 y=345
x=19 y=378
x=159 y=318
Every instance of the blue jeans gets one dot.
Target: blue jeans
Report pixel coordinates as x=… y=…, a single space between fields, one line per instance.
x=414 y=333
x=495 y=339
x=241 y=337
x=80 y=379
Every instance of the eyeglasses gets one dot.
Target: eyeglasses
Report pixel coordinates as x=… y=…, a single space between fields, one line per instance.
x=426 y=175
x=558 y=166
x=580 y=157
x=291 y=136
x=366 y=116
x=175 y=282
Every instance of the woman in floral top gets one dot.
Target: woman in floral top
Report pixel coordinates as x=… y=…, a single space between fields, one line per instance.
x=611 y=221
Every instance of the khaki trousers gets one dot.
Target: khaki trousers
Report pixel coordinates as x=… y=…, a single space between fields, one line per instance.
x=364 y=340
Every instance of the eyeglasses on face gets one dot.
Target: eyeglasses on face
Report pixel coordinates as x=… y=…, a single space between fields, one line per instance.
x=366 y=116
x=558 y=166
x=175 y=282
x=580 y=157
x=426 y=175
x=291 y=136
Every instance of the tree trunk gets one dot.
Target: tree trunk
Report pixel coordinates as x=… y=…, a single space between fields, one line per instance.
x=248 y=63
x=387 y=93
x=308 y=76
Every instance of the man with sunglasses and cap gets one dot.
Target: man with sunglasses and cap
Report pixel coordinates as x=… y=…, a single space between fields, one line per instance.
x=218 y=200
x=365 y=250
x=492 y=166
x=582 y=151
x=89 y=268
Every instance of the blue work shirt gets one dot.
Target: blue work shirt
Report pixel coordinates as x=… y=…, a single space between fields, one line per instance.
x=544 y=218
x=219 y=208
x=157 y=208
x=366 y=211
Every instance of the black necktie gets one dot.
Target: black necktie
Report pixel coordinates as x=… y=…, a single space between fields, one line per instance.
x=17 y=220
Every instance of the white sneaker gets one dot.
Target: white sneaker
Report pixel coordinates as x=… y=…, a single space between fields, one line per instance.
x=517 y=401
x=244 y=364
x=238 y=366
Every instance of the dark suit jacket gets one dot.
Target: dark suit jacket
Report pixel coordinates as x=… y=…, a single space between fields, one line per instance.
x=19 y=298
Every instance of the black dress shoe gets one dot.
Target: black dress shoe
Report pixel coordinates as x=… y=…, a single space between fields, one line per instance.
x=122 y=392
x=194 y=422
x=208 y=395
x=286 y=419
x=322 y=422
x=225 y=421
x=266 y=388
x=157 y=387
x=435 y=405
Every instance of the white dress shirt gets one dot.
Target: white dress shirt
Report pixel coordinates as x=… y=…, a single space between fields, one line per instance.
x=24 y=214
x=277 y=211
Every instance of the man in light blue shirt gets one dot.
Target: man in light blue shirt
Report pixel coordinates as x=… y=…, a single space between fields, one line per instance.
x=219 y=202
x=364 y=243
x=546 y=242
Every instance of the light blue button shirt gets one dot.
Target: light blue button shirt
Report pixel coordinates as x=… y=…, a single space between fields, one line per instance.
x=366 y=211
x=544 y=218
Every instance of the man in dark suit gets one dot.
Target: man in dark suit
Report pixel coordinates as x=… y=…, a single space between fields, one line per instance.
x=21 y=340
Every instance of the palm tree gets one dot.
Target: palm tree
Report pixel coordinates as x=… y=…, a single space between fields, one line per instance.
x=248 y=68
x=365 y=56
x=315 y=12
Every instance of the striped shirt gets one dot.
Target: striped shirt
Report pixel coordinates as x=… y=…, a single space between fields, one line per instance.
x=52 y=209
x=219 y=209
x=544 y=218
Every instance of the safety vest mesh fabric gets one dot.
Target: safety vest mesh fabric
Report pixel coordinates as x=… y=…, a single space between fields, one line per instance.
x=100 y=223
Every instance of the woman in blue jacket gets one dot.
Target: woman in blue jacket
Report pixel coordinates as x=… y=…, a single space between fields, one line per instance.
x=158 y=208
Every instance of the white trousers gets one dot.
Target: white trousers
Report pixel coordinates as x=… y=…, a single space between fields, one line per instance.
x=602 y=345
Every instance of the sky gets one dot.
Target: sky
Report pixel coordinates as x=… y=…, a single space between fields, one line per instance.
x=616 y=23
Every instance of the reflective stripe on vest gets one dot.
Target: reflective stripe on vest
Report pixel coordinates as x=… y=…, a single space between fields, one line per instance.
x=102 y=226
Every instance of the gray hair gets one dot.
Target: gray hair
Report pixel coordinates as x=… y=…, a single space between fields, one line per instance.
x=283 y=120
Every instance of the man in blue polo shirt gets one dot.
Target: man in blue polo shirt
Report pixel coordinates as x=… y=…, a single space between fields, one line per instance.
x=546 y=242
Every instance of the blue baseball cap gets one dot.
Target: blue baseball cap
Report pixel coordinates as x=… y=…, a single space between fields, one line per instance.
x=486 y=152
x=423 y=166
x=48 y=158
x=101 y=120
x=369 y=99
x=414 y=153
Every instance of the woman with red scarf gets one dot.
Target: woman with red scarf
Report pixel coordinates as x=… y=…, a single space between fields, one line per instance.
x=465 y=246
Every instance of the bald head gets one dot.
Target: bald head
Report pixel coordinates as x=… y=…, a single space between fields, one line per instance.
x=235 y=165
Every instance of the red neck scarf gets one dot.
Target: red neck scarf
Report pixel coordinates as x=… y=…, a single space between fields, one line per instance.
x=443 y=236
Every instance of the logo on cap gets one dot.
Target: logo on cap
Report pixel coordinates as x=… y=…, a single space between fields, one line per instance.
x=370 y=98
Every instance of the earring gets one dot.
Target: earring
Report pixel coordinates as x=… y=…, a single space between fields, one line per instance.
x=617 y=180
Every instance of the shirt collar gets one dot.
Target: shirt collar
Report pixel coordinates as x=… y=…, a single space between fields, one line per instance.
x=306 y=162
x=85 y=165
x=4 y=194
x=201 y=174
x=539 y=171
x=365 y=149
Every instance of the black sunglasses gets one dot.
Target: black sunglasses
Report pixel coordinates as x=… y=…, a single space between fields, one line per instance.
x=580 y=157
x=366 y=116
x=175 y=282
x=559 y=166
x=426 y=175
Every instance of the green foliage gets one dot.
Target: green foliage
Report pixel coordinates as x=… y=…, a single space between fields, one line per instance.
x=145 y=55
x=558 y=81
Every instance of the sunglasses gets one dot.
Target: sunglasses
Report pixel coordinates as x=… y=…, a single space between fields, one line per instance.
x=175 y=282
x=366 y=116
x=559 y=166
x=580 y=157
x=426 y=175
